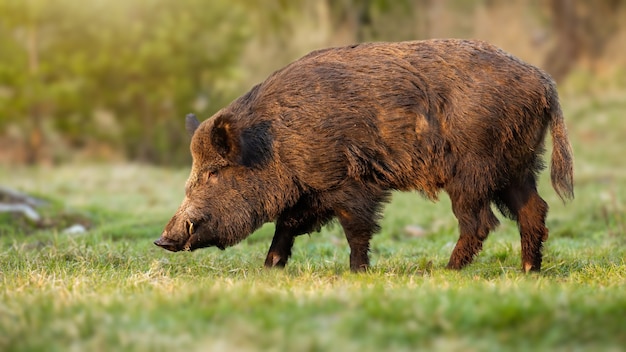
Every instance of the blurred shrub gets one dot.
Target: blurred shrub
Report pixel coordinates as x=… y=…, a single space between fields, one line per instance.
x=118 y=72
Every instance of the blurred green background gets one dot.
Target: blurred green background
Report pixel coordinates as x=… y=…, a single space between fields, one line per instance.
x=111 y=80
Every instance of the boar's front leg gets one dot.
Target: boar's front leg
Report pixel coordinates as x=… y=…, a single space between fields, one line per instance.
x=280 y=249
x=359 y=220
x=358 y=233
x=298 y=220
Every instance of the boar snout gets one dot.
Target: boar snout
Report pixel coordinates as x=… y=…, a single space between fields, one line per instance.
x=179 y=234
x=167 y=244
x=173 y=240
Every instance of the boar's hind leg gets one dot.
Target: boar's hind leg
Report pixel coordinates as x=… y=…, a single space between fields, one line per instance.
x=291 y=223
x=476 y=219
x=526 y=206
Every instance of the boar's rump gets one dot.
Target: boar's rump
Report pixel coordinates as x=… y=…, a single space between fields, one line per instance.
x=333 y=133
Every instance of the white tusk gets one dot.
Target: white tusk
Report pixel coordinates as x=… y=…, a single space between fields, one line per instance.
x=190 y=227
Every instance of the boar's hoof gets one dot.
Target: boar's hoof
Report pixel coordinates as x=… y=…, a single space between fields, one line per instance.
x=529 y=267
x=361 y=268
x=274 y=260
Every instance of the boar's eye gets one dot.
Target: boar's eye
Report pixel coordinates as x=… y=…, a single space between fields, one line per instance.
x=209 y=175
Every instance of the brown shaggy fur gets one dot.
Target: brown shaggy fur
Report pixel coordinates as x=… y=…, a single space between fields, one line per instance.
x=333 y=133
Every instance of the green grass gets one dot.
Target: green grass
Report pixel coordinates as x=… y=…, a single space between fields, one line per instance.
x=112 y=289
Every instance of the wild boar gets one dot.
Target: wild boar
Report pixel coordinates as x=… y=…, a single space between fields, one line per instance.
x=332 y=134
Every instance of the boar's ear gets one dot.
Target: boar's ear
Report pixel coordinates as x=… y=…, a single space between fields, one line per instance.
x=223 y=137
x=191 y=124
x=249 y=146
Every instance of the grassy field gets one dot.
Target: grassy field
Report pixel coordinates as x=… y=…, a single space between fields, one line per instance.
x=112 y=289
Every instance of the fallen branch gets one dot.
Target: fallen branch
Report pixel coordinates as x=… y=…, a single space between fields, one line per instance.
x=16 y=202
x=24 y=209
x=12 y=196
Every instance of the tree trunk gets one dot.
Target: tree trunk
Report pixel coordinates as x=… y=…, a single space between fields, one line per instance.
x=34 y=142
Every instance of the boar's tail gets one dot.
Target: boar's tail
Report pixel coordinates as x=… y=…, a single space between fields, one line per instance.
x=561 y=167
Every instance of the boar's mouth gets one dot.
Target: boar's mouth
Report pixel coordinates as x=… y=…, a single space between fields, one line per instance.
x=192 y=243
x=174 y=246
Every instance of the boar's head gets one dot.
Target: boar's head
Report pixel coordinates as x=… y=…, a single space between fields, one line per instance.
x=233 y=187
